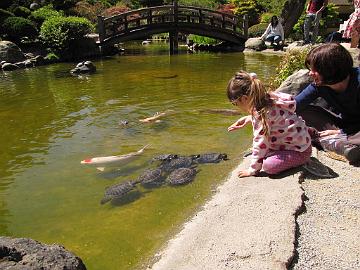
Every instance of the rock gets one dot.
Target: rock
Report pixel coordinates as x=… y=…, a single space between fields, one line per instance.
x=295 y=83
x=85 y=67
x=23 y=253
x=10 y=52
x=34 y=6
x=28 y=63
x=20 y=64
x=9 y=67
x=296 y=45
x=38 y=60
x=256 y=44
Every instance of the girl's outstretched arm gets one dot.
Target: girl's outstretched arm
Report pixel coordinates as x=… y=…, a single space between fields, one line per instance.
x=243 y=121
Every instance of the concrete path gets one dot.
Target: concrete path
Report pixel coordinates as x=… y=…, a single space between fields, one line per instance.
x=248 y=224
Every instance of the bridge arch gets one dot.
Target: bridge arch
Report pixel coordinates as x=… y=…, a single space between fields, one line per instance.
x=141 y=23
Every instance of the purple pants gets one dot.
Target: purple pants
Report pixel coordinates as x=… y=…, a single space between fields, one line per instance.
x=278 y=161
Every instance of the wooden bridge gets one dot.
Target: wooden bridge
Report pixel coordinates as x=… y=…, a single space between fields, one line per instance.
x=142 y=23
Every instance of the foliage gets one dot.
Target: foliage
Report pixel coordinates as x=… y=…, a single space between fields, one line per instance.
x=291 y=62
x=266 y=17
x=273 y=6
x=52 y=57
x=5 y=4
x=44 y=13
x=22 y=11
x=257 y=30
x=61 y=4
x=88 y=10
x=59 y=32
x=115 y=11
x=249 y=8
x=227 y=8
x=331 y=19
x=17 y=27
x=4 y=14
x=202 y=40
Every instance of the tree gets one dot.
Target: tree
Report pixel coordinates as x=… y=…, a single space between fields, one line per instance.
x=291 y=13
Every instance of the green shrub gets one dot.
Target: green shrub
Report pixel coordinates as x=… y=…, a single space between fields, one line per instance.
x=291 y=62
x=5 y=3
x=22 y=12
x=257 y=30
x=4 y=14
x=250 y=8
x=52 y=58
x=17 y=27
x=44 y=13
x=59 y=32
x=266 y=17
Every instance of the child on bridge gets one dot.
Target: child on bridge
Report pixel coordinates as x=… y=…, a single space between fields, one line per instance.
x=281 y=139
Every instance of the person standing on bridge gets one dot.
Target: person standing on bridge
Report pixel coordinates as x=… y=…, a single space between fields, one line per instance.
x=281 y=139
x=274 y=33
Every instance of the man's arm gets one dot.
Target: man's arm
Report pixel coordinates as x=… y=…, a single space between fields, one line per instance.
x=308 y=95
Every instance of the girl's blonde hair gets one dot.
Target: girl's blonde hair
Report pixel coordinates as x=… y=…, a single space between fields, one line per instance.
x=243 y=84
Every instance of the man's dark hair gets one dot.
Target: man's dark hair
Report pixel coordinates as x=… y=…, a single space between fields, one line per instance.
x=331 y=60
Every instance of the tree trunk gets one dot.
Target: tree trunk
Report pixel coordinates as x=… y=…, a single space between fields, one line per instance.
x=290 y=14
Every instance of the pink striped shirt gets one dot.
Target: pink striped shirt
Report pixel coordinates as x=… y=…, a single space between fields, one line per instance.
x=287 y=130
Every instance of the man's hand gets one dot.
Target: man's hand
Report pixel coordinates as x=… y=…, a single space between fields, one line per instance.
x=329 y=132
x=240 y=123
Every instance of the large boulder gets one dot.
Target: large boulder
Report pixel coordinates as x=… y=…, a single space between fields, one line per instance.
x=28 y=254
x=86 y=67
x=295 y=83
x=256 y=44
x=10 y=52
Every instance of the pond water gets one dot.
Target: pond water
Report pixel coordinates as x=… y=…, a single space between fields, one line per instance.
x=50 y=121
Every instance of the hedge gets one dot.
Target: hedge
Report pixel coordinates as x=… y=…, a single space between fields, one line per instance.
x=17 y=27
x=57 y=33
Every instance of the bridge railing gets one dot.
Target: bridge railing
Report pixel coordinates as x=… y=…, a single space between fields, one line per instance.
x=168 y=14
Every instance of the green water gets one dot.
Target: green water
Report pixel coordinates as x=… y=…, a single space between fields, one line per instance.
x=50 y=121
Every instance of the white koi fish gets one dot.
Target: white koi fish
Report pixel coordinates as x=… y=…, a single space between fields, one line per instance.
x=112 y=161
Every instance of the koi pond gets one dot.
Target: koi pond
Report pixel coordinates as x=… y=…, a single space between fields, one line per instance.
x=50 y=121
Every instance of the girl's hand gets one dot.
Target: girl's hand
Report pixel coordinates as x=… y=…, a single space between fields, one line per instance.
x=329 y=132
x=244 y=173
x=240 y=123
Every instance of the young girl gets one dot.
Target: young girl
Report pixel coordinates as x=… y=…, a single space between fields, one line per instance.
x=281 y=138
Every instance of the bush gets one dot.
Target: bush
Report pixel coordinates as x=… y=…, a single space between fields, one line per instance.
x=44 y=13
x=22 y=12
x=5 y=3
x=116 y=10
x=59 y=32
x=291 y=62
x=266 y=17
x=257 y=30
x=4 y=14
x=17 y=27
x=88 y=11
x=249 y=8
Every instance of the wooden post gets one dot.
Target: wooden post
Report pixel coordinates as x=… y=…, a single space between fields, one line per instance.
x=101 y=28
x=245 y=26
x=174 y=35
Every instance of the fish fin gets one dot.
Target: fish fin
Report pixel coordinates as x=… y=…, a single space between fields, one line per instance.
x=101 y=168
x=142 y=149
